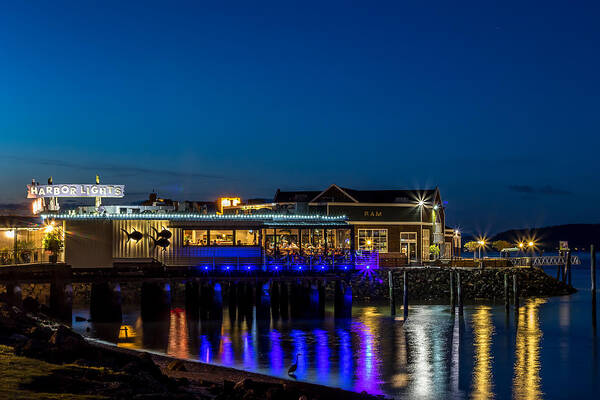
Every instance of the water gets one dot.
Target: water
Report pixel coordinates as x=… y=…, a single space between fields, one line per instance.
x=548 y=350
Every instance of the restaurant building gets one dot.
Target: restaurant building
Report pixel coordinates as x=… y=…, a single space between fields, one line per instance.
x=401 y=225
x=330 y=229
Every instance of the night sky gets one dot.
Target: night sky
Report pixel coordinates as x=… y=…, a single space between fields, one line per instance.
x=497 y=104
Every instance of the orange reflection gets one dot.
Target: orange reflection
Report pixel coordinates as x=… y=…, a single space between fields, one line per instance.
x=483 y=329
x=178 y=334
x=527 y=381
x=130 y=337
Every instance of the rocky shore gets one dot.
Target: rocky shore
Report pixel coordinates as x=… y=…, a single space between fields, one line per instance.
x=433 y=284
x=43 y=359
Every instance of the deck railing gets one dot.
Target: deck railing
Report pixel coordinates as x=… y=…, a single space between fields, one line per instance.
x=26 y=256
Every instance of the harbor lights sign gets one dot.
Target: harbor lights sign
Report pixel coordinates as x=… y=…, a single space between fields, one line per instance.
x=74 y=190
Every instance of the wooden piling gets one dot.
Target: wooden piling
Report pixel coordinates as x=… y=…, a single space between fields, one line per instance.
x=452 y=289
x=392 y=297
x=515 y=292
x=459 y=293
x=569 y=267
x=405 y=295
x=593 y=268
x=506 y=299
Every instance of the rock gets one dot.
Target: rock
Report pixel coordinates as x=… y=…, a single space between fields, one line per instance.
x=228 y=386
x=17 y=337
x=176 y=365
x=244 y=384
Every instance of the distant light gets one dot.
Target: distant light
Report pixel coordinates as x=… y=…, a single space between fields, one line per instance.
x=530 y=244
x=421 y=203
x=9 y=234
x=368 y=267
x=322 y=267
x=521 y=245
x=435 y=207
x=226 y=267
x=205 y=267
x=248 y=267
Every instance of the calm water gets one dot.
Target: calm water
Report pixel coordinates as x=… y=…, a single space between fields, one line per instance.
x=548 y=350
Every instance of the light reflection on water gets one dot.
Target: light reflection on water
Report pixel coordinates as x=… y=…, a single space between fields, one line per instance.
x=482 y=372
x=527 y=363
x=436 y=354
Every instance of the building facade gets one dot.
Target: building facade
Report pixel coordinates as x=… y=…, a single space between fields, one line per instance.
x=399 y=224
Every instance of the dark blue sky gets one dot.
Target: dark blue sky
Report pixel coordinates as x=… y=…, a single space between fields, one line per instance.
x=496 y=103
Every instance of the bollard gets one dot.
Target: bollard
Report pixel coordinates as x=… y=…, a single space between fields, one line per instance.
x=515 y=292
x=392 y=298
x=451 y=289
x=405 y=296
x=506 y=299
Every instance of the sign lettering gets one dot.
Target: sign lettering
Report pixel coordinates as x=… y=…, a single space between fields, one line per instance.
x=75 y=190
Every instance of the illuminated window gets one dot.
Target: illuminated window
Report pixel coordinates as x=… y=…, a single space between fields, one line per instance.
x=221 y=238
x=373 y=240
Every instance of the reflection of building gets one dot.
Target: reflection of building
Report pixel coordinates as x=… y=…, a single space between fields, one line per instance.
x=396 y=223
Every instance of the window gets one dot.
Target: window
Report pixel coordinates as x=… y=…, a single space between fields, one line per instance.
x=221 y=237
x=195 y=237
x=245 y=237
x=408 y=237
x=373 y=240
x=425 y=244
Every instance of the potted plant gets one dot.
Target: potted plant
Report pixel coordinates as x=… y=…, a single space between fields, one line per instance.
x=53 y=243
x=434 y=251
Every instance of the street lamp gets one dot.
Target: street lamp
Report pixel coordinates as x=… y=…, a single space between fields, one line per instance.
x=481 y=243
x=421 y=204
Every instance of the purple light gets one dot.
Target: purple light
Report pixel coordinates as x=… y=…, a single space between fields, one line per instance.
x=368 y=267
x=248 y=267
x=205 y=267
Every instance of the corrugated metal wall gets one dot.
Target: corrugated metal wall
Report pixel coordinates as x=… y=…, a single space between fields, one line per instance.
x=144 y=248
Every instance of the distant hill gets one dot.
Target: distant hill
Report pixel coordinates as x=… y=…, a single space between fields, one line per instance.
x=578 y=235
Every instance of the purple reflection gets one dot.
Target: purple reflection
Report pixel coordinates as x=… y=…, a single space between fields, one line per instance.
x=299 y=343
x=322 y=353
x=249 y=353
x=276 y=352
x=205 y=351
x=366 y=374
x=226 y=351
x=346 y=362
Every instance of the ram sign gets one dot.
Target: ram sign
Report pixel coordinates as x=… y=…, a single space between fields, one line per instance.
x=75 y=190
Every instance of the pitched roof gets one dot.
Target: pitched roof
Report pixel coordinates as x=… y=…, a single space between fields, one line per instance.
x=362 y=196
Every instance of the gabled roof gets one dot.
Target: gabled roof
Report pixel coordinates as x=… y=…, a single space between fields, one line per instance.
x=341 y=194
x=334 y=193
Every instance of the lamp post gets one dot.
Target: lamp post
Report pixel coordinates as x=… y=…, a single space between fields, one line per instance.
x=421 y=204
x=481 y=243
